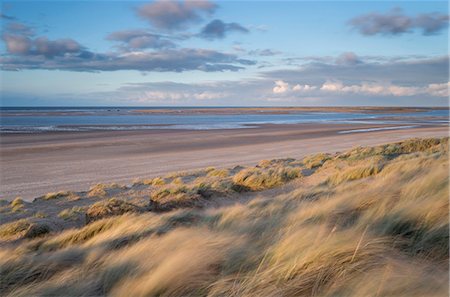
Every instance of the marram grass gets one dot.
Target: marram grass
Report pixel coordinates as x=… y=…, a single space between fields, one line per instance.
x=367 y=222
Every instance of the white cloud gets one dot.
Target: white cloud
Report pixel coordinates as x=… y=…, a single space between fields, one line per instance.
x=364 y=88
x=280 y=87
x=305 y=88
x=437 y=90
x=283 y=87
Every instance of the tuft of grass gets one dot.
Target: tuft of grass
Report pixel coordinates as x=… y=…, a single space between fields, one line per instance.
x=14 y=229
x=24 y=228
x=57 y=195
x=355 y=173
x=178 y=181
x=221 y=173
x=102 y=190
x=257 y=179
x=17 y=204
x=158 y=181
x=108 y=208
x=170 y=197
x=316 y=160
x=429 y=145
x=71 y=213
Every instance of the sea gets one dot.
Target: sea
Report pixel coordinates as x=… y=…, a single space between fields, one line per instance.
x=77 y=119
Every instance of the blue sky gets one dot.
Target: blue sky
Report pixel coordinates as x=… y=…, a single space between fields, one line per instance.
x=200 y=53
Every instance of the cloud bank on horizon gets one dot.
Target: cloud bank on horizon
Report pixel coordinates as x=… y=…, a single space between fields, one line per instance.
x=206 y=53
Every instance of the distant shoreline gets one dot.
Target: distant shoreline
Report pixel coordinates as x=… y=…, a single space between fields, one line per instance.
x=5 y=110
x=286 y=110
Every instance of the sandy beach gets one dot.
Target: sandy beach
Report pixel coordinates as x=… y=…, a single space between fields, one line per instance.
x=35 y=164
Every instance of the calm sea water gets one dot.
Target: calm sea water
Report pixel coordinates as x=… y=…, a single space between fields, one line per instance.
x=38 y=120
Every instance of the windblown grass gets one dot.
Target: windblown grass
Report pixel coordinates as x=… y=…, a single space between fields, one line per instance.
x=71 y=213
x=369 y=222
x=256 y=179
x=108 y=208
x=59 y=194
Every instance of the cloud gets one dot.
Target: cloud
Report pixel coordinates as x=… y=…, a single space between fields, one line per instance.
x=59 y=47
x=412 y=72
x=217 y=29
x=348 y=58
x=17 y=44
x=395 y=22
x=140 y=39
x=264 y=52
x=439 y=90
x=29 y=52
x=432 y=23
x=280 y=87
x=175 y=15
x=165 y=60
x=6 y=17
x=171 y=92
x=19 y=28
x=140 y=50
x=424 y=79
x=164 y=96
x=298 y=88
x=23 y=45
x=162 y=93
x=364 y=88
x=371 y=89
x=303 y=88
x=367 y=88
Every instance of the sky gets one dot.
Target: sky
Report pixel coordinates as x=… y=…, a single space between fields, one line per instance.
x=224 y=53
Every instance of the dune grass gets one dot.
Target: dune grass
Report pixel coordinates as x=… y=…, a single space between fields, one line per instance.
x=108 y=208
x=59 y=194
x=368 y=222
x=256 y=179
x=71 y=213
x=14 y=228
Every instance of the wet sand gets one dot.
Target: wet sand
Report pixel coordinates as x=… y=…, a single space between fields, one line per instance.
x=35 y=164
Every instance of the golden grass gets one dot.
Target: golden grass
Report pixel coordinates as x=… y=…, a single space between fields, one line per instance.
x=101 y=190
x=352 y=230
x=57 y=195
x=315 y=161
x=71 y=213
x=256 y=179
x=110 y=207
x=14 y=228
x=222 y=173
x=355 y=173
x=17 y=204
x=158 y=181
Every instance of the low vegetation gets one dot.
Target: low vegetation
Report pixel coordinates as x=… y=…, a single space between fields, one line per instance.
x=367 y=222
x=257 y=179
x=108 y=208
x=71 y=213
x=60 y=194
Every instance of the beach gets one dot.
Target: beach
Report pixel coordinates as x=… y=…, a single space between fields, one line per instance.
x=35 y=164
